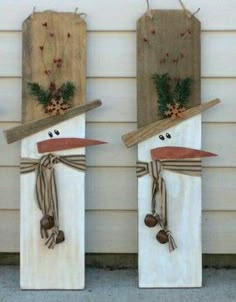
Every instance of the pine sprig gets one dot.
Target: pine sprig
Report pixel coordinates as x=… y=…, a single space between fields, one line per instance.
x=42 y=95
x=179 y=94
x=182 y=91
x=67 y=91
x=162 y=84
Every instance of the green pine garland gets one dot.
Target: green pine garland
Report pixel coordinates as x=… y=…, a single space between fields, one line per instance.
x=180 y=93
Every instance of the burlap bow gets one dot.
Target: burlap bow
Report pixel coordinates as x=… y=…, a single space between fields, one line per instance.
x=155 y=168
x=46 y=189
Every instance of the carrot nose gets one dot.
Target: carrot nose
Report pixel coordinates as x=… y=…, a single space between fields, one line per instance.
x=58 y=144
x=178 y=153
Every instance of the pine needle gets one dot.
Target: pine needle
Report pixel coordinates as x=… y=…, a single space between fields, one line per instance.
x=42 y=95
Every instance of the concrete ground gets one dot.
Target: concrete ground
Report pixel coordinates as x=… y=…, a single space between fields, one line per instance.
x=121 y=285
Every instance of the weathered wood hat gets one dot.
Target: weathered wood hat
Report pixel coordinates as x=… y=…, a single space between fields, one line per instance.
x=19 y=132
x=137 y=136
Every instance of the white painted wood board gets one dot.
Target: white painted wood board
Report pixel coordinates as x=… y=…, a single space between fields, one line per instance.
x=119 y=15
x=62 y=267
x=182 y=267
x=218 y=53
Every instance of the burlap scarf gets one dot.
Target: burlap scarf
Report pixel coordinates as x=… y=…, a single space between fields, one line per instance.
x=155 y=168
x=46 y=189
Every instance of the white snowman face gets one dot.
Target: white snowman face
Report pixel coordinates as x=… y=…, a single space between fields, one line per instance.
x=65 y=138
x=182 y=136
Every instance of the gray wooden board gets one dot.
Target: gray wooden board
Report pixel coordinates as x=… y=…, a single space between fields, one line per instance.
x=158 y=37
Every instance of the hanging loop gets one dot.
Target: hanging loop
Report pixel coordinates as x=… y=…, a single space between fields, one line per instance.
x=34 y=9
x=149 y=13
x=82 y=15
x=187 y=12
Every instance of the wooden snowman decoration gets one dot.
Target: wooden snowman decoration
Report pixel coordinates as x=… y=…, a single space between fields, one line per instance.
x=169 y=149
x=53 y=151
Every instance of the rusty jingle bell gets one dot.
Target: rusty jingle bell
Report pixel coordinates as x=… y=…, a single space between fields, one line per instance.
x=47 y=222
x=60 y=237
x=150 y=221
x=162 y=237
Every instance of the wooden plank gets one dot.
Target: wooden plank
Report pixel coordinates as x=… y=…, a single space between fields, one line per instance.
x=111 y=14
x=122 y=107
x=137 y=136
x=115 y=232
x=47 y=37
x=157 y=41
x=71 y=50
x=119 y=61
x=182 y=215
x=71 y=195
x=216 y=138
x=27 y=129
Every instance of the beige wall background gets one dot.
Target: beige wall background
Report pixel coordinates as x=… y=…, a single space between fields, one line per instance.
x=111 y=198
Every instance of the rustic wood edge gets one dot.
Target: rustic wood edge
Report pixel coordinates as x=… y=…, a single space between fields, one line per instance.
x=132 y=138
x=19 y=132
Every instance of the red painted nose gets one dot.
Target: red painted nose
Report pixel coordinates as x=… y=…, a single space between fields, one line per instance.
x=58 y=144
x=178 y=153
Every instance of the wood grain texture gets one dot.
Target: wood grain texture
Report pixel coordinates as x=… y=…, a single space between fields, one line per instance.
x=62 y=36
x=157 y=266
x=32 y=127
x=159 y=43
x=73 y=51
x=67 y=258
x=148 y=131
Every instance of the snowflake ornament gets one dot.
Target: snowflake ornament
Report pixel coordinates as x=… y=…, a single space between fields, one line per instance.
x=56 y=107
x=174 y=110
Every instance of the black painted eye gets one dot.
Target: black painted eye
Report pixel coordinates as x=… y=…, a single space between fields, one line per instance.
x=50 y=134
x=168 y=135
x=56 y=132
x=161 y=137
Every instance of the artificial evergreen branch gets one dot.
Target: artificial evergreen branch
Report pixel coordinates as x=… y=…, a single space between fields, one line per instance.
x=162 y=84
x=181 y=92
x=42 y=95
x=67 y=91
